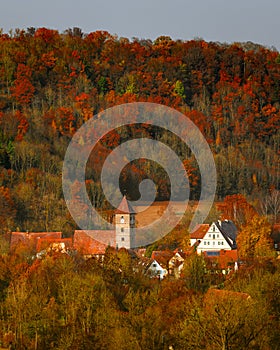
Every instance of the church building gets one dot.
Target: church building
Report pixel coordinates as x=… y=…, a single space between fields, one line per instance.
x=95 y=242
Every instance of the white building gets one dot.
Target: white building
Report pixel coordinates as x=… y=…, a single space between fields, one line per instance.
x=220 y=235
x=156 y=270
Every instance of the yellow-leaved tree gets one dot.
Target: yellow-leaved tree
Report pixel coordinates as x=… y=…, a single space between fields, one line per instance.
x=254 y=239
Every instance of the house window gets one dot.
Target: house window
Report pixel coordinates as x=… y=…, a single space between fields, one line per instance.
x=217 y=236
x=219 y=243
x=154 y=265
x=213 y=242
x=213 y=228
x=122 y=239
x=213 y=236
x=122 y=229
x=209 y=235
x=222 y=243
x=208 y=243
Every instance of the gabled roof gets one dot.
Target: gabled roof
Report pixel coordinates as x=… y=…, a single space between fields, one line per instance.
x=229 y=231
x=162 y=256
x=155 y=269
x=182 y=254
x=199 y=231
x=125 y=207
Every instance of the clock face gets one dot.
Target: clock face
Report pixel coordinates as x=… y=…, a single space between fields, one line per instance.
x=122 y=220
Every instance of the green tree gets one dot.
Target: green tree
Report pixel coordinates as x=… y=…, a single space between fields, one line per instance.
x=194 y=273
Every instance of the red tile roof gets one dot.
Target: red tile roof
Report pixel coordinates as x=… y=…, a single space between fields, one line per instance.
x=162 y=256
x=199 y=231
x=31 y=238
x=224 y=257
x=93 y=242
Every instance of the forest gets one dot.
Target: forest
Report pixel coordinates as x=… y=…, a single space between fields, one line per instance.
x=50 y=84
x=66 y=302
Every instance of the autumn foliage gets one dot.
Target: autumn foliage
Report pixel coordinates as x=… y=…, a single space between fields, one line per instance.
x=51 y=83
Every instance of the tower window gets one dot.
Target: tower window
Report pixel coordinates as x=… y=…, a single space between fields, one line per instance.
x=122 y=229
x=122 y=239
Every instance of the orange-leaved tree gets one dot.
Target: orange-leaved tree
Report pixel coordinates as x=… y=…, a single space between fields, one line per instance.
x=254 y=240
x=236 y=208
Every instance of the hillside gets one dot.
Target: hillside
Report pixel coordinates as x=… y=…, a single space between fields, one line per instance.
x=51 y=83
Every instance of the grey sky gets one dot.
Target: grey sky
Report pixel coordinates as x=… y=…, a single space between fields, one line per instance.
x=213 y=20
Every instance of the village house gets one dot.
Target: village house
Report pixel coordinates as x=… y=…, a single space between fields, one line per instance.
x=176 y=263
x=220 y=235
x=155 y=269
x=167 y=262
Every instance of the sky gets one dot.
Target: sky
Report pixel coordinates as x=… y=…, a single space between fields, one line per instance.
x=212 y=20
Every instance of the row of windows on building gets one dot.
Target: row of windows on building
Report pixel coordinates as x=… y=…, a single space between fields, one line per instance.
x=208 y=242
x=213 y=235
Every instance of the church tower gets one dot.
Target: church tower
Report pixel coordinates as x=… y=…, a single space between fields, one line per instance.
x=125 y=225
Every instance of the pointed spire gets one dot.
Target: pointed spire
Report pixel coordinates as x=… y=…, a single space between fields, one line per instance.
x=125 y=207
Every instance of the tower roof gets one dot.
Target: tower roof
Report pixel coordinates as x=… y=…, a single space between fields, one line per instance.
x=124 y=207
